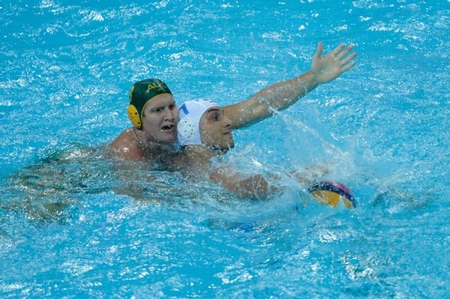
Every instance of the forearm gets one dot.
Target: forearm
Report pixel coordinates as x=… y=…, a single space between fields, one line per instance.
x=254 y=187
x=281 y=95
x=278 y=96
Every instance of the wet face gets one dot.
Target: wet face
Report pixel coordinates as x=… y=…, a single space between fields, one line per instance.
x=160 y=119
x=215 y=130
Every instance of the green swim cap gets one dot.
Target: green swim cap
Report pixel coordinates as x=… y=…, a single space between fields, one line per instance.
x=142 y=92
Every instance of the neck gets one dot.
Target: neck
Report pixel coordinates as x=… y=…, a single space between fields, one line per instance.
x=152 y=149
x=199 y=155
x=193 y=150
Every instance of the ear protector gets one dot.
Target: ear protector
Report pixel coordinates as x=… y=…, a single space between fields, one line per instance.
x=134 y=116
x=133 y=113
x=187 y=130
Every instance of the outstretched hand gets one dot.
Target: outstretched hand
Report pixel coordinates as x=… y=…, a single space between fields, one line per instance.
x=329 y=67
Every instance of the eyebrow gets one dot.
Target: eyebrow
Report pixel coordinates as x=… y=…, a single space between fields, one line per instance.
x=162 y=105
x=214 y=110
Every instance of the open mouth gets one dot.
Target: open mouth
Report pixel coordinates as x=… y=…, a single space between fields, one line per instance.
x=167 y=127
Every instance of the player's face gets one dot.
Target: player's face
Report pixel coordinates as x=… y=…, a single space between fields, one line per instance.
x=160 y=119
x=215 y=130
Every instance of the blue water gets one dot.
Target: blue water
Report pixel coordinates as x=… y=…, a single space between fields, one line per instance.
x=119 y=230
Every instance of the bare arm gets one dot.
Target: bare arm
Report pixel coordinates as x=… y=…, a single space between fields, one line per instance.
x=254 y=187
x=283 y=94
x=259 y=187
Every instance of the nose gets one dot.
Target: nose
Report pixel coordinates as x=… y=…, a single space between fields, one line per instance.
x=227 y=121
x=169 y=114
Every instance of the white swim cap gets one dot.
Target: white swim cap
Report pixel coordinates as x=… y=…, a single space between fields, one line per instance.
x=189 y=120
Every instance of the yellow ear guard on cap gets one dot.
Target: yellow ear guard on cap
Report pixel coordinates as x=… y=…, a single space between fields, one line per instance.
x=141 y=92
x=135 y=119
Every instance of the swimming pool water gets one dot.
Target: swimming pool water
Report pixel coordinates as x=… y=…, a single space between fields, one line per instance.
x=129 y=232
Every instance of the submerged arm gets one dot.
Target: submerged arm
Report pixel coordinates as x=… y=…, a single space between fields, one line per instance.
x=283 y=94
x=254 y=187
x=258 y=186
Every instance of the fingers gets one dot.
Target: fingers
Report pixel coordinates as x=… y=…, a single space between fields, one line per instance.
x=344 y=51
x=341 y=54
x=348 y=58
x=337 y=50
x=319 y=50
x=347 y=66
